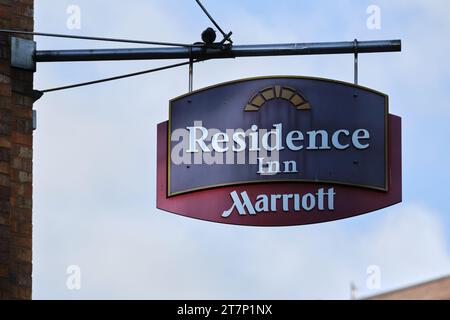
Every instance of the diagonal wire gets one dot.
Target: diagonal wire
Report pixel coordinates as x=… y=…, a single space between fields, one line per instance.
x=225 y=36
x=120 y=77
x=57 y=35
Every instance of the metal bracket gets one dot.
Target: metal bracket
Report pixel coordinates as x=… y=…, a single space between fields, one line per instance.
x=355 y=67
x=34 y=120
x=22 y=54
x=191 y=71
x=191 y=75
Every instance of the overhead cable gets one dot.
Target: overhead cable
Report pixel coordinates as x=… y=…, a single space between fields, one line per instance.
x=69 y=36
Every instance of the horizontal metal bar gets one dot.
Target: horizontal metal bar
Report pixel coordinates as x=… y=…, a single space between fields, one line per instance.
x=216 y=53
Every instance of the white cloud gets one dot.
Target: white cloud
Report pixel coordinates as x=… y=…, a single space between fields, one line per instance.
x=409 y=246
x=160 y=255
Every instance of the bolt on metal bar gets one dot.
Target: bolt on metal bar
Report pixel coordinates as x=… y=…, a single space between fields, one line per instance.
x=218 y=53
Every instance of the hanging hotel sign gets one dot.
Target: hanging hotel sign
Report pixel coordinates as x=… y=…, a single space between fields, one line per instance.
x=278 y=151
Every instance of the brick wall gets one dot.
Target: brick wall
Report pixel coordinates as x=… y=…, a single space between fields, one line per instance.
x=16 y=140
x=438 y=289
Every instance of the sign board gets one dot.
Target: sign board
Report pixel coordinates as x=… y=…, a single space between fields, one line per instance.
x=277 y=151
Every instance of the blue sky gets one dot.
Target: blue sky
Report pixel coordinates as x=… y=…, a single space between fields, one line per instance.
x=94 y=171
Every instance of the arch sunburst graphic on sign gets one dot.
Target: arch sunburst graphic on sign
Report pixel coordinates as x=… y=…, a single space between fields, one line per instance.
x=277 y=92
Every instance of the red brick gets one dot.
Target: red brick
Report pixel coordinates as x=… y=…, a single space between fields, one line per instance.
x=5 y=103
x=15 y=158
x=24 y=267
x=5 y=154
x=23 y=176
x=23 y=242
x=23 y=9
x=5 y=142
x=23 y=189
x=5 y=207
x=5 y=11
x=4 y=270
x=5 y=235
x=5 y=89
x=21 y=111
x=21 y=202
x=4 y=167
x=22 y=254
x=23 y=152
x=5 y=193
x=20 y=138
x=4 y=78
x=22 y=164
x=4 y=219
x=23 y=125
x=5 y=180
x=4 y=245
x=5 y=66
x=25 y=228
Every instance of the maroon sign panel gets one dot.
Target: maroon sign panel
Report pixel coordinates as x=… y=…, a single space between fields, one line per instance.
x=279 y=151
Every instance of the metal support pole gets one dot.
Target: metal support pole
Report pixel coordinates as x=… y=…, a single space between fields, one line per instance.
x=217 y=53
x=355 y=71
x=191 y=75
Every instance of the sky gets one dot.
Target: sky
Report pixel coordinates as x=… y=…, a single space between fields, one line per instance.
x=95 y=151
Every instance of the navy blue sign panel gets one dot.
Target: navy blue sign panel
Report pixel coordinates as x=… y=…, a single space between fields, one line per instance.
x=321 y=131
